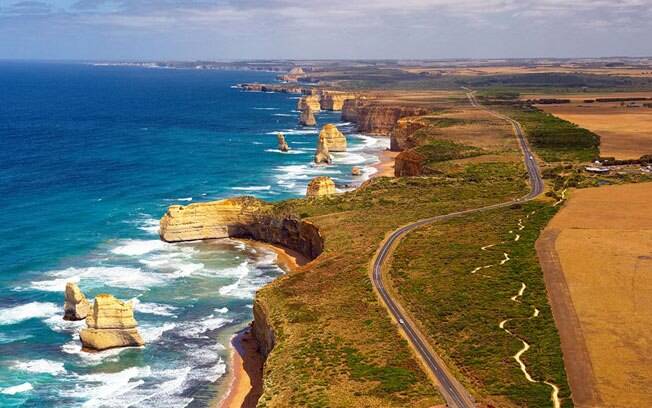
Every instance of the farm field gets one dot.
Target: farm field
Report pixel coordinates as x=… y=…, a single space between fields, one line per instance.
x=601 y=281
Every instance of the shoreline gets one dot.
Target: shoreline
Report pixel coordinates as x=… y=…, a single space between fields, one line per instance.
x=245 y=378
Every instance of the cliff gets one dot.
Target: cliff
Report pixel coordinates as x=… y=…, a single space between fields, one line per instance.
x=320 y=186
x=335 y=140
x=309 y=101
x=262 y=329
x=334 y=101
x=409 y=163
x=294 y=75
x=375 y=117
x=241 y=217
x=401 y=135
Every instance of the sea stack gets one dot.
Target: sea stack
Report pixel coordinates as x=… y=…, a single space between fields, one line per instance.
x=282 y=144
x=307 y=118
x=334 y=138
x=356 y=171
x=310 y=101
x=75 y=306
x=320 y=186
x=323 y=155
x=110 y=324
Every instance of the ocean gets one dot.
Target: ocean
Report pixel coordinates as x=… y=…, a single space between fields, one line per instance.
x=90 y=158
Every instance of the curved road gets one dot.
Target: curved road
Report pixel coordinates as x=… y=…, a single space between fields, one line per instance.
x=454 y=393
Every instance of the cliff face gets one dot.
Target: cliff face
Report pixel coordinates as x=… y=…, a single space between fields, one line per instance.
x=409 y=164
x=334 y=101
x=309 y=101
x=377 y=118
x=243 y=217
x=262 y=329
x=401 y=135
x=335 y=140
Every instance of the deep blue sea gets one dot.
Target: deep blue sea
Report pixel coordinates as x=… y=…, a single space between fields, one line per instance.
x=90 y=158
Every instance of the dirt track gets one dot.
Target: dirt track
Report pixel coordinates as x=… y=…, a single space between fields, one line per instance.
x=597 y=260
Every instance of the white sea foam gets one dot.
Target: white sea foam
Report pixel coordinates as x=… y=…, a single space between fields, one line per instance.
x=198 y=328
x=295 y=132
x=135 y=247
x=74 y=347
x=153 y=308
x=266 y=108
x=150 y=225
x=114 y=276
x=252 y=188
x=282 y=114
x=107 y=389
x=27 y=311
x=151 y=334
x=183 y=199
x=57 y=324
x=222 y=310
x=17 y=389
x=40 y=366
x=291 y=151
x=6 y=339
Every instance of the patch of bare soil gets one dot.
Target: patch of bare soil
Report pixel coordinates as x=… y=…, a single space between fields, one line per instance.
x=597 y=259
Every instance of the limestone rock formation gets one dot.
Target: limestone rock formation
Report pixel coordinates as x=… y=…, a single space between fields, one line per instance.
x=401 y=135
x=294 y=75
x=282 y=144
x=75 y=306
x=320 y=186
x=307 y=118
x=335 y=140
x=110 y=324
x=323 y=155
x=356 y=171
x=409 y=164
x=240 y=217
x=377 y=118
x=334 y=101
x=309 y=101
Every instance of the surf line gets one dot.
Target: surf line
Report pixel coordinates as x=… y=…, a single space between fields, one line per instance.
x=554 y=397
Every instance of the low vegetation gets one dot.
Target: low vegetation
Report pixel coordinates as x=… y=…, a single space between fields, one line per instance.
x=435 y=272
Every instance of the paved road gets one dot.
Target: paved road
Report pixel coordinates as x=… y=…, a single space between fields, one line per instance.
x=454 y=393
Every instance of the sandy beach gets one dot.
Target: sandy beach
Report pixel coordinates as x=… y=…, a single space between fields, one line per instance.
x=386 y=165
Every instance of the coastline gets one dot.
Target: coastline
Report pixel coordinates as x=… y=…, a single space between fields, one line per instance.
x=245 y=378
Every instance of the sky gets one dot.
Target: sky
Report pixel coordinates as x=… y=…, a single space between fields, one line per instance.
x=316 y=29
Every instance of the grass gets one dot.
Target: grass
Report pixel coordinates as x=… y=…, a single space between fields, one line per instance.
x=443 y=150
x=460 y=310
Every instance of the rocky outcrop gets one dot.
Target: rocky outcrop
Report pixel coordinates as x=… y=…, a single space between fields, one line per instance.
x=356 y=171
x=401 y=135
x=294 y=75
x=323 y=155
x=334 y=101
x=110 y=324
x=375 y=117
x=241 y=217
x=409 y=164
x=282 y=144
x=283 y=88
x=309 y=101
x=320 y=186
x=75 y=306
x=307 y=118
x=335 y=140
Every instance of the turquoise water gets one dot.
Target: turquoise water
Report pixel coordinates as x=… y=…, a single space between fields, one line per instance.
x=90 y=158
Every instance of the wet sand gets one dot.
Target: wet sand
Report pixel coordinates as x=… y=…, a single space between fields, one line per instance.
x=386 y=166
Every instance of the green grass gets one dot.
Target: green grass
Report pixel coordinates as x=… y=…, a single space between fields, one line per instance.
x=555 y=139
x=443 y=150
x=460 y=310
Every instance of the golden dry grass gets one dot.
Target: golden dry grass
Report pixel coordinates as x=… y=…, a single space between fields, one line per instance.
x=515 y=70
x=605 y=249
x=626 y=132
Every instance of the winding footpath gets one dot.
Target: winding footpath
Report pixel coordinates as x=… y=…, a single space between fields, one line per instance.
x=452 y=390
